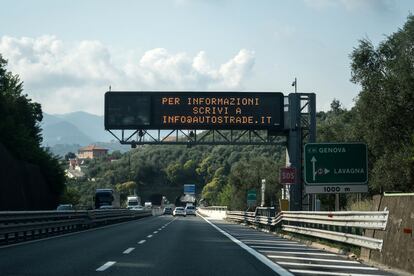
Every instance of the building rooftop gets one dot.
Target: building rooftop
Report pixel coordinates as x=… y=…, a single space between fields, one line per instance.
x=91 y=148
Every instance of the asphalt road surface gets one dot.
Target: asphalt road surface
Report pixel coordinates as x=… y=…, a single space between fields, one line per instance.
x=166 y=245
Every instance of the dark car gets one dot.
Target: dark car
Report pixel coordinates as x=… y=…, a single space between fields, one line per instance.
x=168 y=211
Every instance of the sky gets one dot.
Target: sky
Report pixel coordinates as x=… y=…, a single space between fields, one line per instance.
x=68 y=53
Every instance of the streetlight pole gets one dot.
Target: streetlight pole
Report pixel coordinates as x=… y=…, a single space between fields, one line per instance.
x=263 y=192
x=295 y=84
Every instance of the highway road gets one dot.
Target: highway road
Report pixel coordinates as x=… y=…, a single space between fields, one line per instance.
x=166 y=245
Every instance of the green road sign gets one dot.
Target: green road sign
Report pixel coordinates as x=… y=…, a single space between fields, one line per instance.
x=251 y=197
x=336 y=163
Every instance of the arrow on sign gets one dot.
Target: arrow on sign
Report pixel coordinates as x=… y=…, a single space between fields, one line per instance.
x=313 y=160
x=326 y=171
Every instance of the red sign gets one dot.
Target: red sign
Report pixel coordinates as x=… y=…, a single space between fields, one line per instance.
x=287 y=175
x=408 y=230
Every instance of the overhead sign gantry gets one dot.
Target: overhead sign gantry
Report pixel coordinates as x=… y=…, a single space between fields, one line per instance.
x=194 y=110
x=217 y=118
x=250 y=112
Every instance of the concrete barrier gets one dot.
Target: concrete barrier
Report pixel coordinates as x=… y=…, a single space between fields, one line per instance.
x=157 y=211
x=213 y=212
x=398 y=238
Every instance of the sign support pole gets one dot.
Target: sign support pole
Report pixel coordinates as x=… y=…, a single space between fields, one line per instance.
x=263 y=192
x=302 y=129
x=336 y=202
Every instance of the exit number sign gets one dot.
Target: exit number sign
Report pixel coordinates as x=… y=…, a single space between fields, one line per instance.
x=287 y=175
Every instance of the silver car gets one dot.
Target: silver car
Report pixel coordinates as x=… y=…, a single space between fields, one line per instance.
x=190 y=210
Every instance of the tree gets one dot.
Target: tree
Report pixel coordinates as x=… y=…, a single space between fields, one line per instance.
x=384 y=110
x=20 y=131
x=70 y=155
x=211 y=190
x=20 y=117
x=70 y=196
x=336 y=125
x=126 y=188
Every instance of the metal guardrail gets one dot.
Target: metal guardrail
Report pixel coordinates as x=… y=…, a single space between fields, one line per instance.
x=214 y=208
x=366 y=220
x=315 y=224
x=336 y=236
x=22 y=225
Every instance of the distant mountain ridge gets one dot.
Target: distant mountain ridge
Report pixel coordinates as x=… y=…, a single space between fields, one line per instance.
x=82 y=128
x=63 y=133
x=68 y=132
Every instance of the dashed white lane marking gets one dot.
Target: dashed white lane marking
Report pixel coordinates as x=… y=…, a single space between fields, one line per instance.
x=105 y=266
x=149 y=236
x=329 y=266
x=165 y=225
x=297 y=252
x=129 y=250
x=155 y=232
x=74 y=233
x=141 y=241
x=159 y=229
x=273 y=266
x=314 y=272
x=312 y=259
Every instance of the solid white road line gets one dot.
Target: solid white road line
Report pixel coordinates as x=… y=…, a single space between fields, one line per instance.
x=273 y=266
x=129 y=250
x=312 y=259
x=297 y=252
x=314 y=272
x=149 y=236
x=105 y=266
x=329 y=266
x=141 y=241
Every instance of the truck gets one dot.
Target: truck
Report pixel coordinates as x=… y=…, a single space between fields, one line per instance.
x=133 y=202
x=106 y=198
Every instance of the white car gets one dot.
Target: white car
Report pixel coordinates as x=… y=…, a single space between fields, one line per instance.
x=106 y=207
x=190 y=210
x=179 y=211
x=137 y=208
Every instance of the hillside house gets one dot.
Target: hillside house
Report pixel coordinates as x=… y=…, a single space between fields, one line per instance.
x=74 y=170
x=91 y=152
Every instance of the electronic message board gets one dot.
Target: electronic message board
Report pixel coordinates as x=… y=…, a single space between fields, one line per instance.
x=194 y=110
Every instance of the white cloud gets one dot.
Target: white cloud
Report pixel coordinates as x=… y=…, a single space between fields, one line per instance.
x=66 y=77
x=237 y=68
